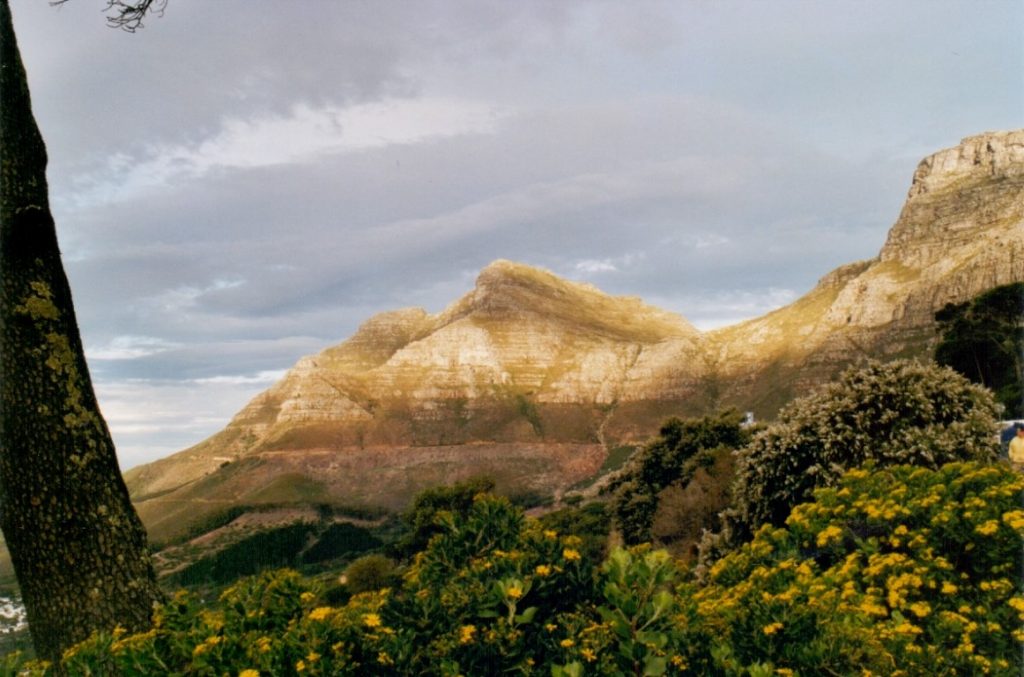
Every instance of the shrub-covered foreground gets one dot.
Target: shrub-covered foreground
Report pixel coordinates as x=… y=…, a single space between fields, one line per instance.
x=899 y=570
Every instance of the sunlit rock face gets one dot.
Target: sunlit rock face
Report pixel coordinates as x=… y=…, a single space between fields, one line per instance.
x=960 y=232
x=534 y=377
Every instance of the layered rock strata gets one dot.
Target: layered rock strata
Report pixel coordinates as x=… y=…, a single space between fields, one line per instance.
x=532 y=378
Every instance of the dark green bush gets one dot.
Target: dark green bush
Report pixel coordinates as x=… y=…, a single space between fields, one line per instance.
x=421 y=518
x=370 y=573
x=672 y=458
x=894 y=413
x=338 y=540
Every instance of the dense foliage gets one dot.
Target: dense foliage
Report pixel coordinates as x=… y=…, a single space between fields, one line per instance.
x=899 y=570
x=894 y=413
x=421 y=518
x=292 y=545
x=681 y=448
x=983 y=339
x=590 y=523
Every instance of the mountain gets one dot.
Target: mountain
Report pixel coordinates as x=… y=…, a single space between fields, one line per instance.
x=534 y=379
x=961 y=232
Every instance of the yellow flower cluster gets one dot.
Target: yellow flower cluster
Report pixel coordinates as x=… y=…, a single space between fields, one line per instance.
x=207 y=645
x=320 y=613
x=829 y=534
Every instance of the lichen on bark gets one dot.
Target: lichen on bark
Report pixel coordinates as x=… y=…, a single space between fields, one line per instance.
x=78 y=547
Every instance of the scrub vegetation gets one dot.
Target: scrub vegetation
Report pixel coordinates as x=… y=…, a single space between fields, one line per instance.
x=898 y=563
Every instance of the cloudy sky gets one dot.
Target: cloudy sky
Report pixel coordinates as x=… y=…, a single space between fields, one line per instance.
x=243 y=182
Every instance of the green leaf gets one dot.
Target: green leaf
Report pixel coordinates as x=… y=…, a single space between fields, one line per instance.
x=527 y=615
x=655 y=665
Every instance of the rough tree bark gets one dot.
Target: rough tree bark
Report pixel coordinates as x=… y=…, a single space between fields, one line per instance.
x=78 y=547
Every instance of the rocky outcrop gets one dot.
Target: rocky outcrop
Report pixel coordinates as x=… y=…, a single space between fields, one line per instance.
x=531 y=362
x=961 y=231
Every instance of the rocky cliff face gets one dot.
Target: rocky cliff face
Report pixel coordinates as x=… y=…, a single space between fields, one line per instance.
x=532 y=378
x=961 y=231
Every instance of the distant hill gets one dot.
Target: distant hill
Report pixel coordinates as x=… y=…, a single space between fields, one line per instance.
x=534 y=379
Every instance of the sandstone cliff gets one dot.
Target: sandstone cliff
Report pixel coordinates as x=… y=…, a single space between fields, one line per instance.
x=532 y=378
x=961 y=231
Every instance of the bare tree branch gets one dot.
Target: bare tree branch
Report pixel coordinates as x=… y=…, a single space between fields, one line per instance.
x=128 y=16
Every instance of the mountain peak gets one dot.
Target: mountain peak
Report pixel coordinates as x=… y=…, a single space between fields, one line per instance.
x=982 y=156
x=506 y=290
x=534 y=379
x=504 y=272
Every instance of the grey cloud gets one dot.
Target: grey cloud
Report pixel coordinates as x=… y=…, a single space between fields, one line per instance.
x=713 y=158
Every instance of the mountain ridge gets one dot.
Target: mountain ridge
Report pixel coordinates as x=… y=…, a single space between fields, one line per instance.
x=554 y=373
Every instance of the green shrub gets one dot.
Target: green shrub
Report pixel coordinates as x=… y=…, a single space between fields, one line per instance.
x=421 y=518
x=896 y=413
x=338 y=540
x=681 y=448
x=983 y=338
x=686 y=511
x=370 y=573
x=290 y=545
x=896 y=571
x=272 y=548
x=590 y=522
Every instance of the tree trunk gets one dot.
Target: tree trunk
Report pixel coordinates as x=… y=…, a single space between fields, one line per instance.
x=78 y=547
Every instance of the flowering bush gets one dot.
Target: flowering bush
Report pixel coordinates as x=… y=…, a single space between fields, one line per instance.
x=895 y=571
x=895 y=413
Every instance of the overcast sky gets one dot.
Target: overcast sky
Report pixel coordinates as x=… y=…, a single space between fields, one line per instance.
x=244 y=182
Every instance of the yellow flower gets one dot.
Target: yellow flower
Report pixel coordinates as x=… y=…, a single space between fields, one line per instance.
x=588 y=655
x=249 y=673
x=306 y=597
x=313 y=657
x=371 y=620
x=948 y=588
x=300 y=665
x=570 y=554
x=384 y=659
x=771 y=628
x=320 y=613
x=1015 y=519
x=988 y=528
x=514 y=591
x=549 y=533
x=828 y=535
x=466 y=633
x=920 y=609
x=566 y=643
